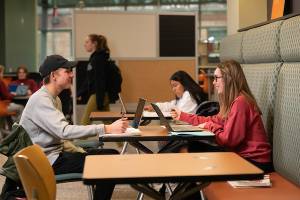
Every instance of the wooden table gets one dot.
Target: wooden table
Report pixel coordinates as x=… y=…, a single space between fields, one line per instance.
x=139 y=170
x=153 y=133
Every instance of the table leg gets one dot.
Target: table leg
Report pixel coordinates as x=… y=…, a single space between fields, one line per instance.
x=124 y=147
x=141 y=147
x=148 y=190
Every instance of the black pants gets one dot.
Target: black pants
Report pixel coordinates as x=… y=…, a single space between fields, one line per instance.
x=73 y=163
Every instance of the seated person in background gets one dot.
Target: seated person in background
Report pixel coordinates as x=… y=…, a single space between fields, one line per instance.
x=6 y=96
x=23 y=80
x=47 y=126
x=188 y=94
x=238 y=126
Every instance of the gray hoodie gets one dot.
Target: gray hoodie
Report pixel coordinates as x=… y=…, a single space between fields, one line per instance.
x=47 y=126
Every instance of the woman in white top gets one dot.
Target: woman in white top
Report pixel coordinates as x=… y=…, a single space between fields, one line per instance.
x=188 y=94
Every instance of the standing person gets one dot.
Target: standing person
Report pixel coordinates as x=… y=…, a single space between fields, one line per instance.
x=238 y=126
x=47 y=126
x=188 y=94
x=6 y=96
x=96 y=76
x=22 y=73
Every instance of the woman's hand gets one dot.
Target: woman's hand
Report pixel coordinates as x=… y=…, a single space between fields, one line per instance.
x=118 y=126
x=202 y=125
x=175 y=113
x=148 y=108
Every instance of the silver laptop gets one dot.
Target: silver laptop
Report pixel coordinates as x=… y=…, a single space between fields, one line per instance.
x=138 y=113
x=174 y=128
x=22 y=90
x=123 y=108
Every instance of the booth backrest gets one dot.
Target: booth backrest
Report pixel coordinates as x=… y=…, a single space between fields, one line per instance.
x=270 y=57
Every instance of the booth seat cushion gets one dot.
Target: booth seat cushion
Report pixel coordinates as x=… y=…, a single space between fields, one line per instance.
x=281 y=189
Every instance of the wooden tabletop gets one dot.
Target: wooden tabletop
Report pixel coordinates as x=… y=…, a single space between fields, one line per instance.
x=167 y=167
x=152 y=133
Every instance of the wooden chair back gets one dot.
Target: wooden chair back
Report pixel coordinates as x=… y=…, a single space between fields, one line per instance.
x=36 y=173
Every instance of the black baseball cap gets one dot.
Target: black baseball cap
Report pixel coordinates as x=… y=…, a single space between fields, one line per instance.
x=54 y=62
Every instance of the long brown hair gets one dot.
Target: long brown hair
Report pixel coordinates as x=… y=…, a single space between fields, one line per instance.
x=101 y=42
x=235 y=84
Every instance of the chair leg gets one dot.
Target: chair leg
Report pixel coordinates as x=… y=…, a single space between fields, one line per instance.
x=90 y=192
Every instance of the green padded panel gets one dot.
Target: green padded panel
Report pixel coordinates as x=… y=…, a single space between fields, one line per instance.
x=231 y=48
x=262 y=79
x=69 y=177
x=261 y=44
x=290 y=40
x=286 y=140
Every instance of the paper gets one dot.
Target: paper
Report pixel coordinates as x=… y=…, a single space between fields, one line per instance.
x=154 y=114
x=129 y=132
x=194 y=133
x=265 y=182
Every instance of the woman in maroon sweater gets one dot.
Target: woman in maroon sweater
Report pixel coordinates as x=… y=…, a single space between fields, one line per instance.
x=22 y=79
x=238 y=126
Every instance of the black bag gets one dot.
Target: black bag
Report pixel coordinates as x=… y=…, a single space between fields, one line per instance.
x=114 y=81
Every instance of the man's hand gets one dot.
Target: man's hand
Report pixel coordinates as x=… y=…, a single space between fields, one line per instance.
x=148 y=108
x=118 y=126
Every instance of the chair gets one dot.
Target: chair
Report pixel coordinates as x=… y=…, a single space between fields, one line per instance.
x=208 y=108
x=36 y=173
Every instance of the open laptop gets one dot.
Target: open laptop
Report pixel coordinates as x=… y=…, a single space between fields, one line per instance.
x=20 y=90
x=125 y=109
x=174 y=128
x=138 y=113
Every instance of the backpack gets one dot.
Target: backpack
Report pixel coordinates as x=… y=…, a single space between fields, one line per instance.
x=114 y=81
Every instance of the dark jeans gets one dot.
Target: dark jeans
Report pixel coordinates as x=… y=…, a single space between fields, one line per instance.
x=73 y=163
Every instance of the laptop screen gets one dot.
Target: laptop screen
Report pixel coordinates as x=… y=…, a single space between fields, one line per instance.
x=22 y=90
x=138 y=113
x=161 y=116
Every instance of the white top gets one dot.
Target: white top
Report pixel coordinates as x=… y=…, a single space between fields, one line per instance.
x=186 y=104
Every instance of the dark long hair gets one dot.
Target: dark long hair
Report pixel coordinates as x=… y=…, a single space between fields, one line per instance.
x=189 y=85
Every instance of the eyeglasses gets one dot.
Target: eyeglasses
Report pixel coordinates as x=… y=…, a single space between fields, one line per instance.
x=216 y=77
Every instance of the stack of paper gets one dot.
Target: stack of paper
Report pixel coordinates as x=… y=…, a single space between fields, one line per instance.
x=194 y=133
x=154 y=114
x=265 y=182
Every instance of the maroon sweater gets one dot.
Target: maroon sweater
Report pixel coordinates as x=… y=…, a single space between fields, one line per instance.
x=242 y=132
x=4 y=93
x=29 y=82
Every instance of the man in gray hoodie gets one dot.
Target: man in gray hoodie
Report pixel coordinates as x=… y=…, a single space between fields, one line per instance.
x=47 y=126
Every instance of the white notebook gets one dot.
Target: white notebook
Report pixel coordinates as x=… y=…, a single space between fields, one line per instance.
x=129 y=132
x=154 y=114
x=265 y=182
